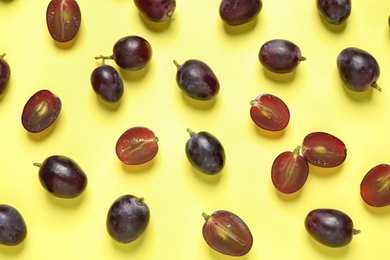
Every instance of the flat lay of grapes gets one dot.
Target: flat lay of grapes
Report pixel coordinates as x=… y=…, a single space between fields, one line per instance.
x=213 y=130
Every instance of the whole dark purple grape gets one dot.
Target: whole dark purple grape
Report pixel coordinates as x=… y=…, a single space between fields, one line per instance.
x=156 y=10
x=107 y=83
x=358 y=69
x=205 y=152
x=334 y=11
x=280 y=56
x=127 y=218
x=5 y=73
x=196 y=79
x=62 y=177
x=330 y=227
x=238 y=12
x=13 y=230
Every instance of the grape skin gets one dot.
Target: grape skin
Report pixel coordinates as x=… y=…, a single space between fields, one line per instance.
x=107 y=83
x=156 y=10
x=334 y=11
x=13 y=230
x=5 y=74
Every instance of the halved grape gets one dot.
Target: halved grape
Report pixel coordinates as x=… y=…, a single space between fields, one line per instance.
x=269 y=112
x=137 y=145
x=63 y=18
x=40 y=111
x=227 y=233
x=289 y=171
x=5 y=73
x=375 y=186
x=156 y=10
x=13 y=230
x=323 y=150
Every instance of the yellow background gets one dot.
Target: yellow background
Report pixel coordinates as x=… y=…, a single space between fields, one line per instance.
x=87 y=130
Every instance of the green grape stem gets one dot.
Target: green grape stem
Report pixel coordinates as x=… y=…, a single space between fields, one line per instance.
x=37 y=164
x=206 y=216
x=192 y=133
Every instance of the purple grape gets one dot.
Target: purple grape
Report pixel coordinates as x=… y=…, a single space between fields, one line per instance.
x=5 y=73
x=334 y=11
x=13 y=230
x=237 y=12
x=107 y=83
x=156 y=10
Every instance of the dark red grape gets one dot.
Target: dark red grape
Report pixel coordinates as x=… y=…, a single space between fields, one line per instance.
x=375 y=186
x=289 y=171
x=127 y=218
x=40 y=111
x=13 y=230
x=334 y=11
x=107 y=83
x=227 y=233
x=330 y=227
x=237 y=12
x=156 y=10
x=62 y=177
x=205 y=152
x=5 y=74
x=63 y=18
x=323 y=150
x=196 y=79
x=280 y=56
x=358 y=69
x=137 y=145
x=269 y=112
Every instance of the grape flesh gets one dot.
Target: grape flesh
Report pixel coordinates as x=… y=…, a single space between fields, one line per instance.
x=238 y=12
x=280 y=56
x=132 y=53
x=205 y=152
x=334 y=11
x=13 y=230
x=358 y=69
x=196 y=79
x=375 y=186
x=227 y=233
x=63 y=18
x=107 y=83
x=156 y=10
x=62 y=177
x=5 y=74
x=40 y=111
x=330 y=227
x=127 y=219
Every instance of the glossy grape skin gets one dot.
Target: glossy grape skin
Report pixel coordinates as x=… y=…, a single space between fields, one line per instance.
x=323 y=150
x=156 y=10
x=358 y=69
x=62 y=177
x=63 y=19
x=5 y=74
x=137 y=145
x=269 y=112
x=334 y=11
x=330 y=227
x=107 y=83
x=40 y=111
x=132 y=53
x=227 y=233
x=205 y=152
x=375 y=186
x=238 y=12
x=289 y=171
x=196 y=79
x=13 y=229
x=280 y=56
x=127 y=218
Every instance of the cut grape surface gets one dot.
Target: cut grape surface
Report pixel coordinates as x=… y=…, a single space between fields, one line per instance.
x=5 y=74
x=156 y=10
x=375 y=186
x=238 y=12
x=334 y=11
x=107 y=83
x=13 y=229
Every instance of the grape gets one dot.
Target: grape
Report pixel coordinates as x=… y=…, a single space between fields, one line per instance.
x=40 y=111
x=358 y=69
x=375 y=186
x=280 y=56
x=107 y=83
x=62 y=177
x=269 y=112
x=5 y=74
x=196 y=79
x=323 y=150
x=127 y=218
x=330 y=227
x=13 y=230
x=334 y=11
x=227 y=233
x=137 y=145
x=238 y=12
x=156 y=10
x=63 y=19
x=205 y=152
x=289 y=171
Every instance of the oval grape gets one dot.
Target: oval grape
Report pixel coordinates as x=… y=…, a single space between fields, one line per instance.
x=238 y=12
x=375 y=186
x=13 y=229
x=107 y=83
x=5 y=74
x=156 y=10
x=334 y=11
